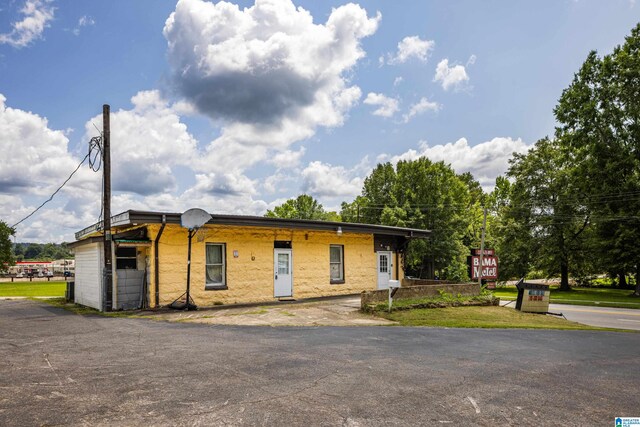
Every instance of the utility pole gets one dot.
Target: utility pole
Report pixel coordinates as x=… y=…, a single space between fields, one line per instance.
x=106 y=204
x=484 y=226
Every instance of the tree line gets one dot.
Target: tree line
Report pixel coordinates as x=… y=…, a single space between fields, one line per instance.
x=12 y=252
x=569 y=207
x=41 y=251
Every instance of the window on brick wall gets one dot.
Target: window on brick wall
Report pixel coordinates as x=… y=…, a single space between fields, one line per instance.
x=336 y=263
x=216 y=266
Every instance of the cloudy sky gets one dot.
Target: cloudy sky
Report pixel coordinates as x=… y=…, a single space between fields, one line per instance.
x=235 y=107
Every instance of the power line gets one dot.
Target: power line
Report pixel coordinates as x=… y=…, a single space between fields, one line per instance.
x=54 y=193
x=94 y=146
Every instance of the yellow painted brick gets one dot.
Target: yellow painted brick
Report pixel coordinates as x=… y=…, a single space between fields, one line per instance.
x=250 y=276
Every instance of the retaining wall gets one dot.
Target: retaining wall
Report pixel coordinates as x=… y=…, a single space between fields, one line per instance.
x=424 y=290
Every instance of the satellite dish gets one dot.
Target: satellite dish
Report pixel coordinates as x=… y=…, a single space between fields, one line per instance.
x=194 y=218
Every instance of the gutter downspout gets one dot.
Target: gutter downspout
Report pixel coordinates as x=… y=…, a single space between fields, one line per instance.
x=157 y=261
x=397 y=261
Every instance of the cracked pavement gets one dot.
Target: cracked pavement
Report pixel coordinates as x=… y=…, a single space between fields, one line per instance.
x=58 y=368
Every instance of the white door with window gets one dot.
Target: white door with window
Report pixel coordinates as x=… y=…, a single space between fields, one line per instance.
x=283 y=277
x=384 y=269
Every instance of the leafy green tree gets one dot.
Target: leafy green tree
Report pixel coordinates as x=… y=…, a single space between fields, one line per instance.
x=6 y=254
x=32 y=251
x=351 y=212
x=511 y=227
x=545 y=211
x=377 y=194
x=302 y=207
x=599 y=116
x=478 y=200
x=437 y=199
x=425 y=195
x=41 y=252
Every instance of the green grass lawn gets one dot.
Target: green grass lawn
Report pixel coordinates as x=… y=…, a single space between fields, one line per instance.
x=603 y=297
x=481 y=317
x=33 y=289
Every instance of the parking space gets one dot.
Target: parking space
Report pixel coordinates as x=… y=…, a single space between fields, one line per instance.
x=60 y=368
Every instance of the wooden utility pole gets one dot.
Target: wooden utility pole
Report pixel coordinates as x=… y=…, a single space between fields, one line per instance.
x=106 y=206
x=484 y=226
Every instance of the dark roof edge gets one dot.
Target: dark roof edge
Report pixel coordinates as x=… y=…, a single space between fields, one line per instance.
x=137 y=217
x=78 y=242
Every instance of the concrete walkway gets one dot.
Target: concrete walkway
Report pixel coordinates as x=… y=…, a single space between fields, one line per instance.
x=341 y=311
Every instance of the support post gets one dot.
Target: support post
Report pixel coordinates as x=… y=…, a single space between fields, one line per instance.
x=188 y=300
x=106 y=206
x=484 y=226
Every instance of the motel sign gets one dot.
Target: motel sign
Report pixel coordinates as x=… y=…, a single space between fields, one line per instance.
x=489 y=264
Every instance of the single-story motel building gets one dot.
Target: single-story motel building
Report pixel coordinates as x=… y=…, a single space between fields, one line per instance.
x=234 y=259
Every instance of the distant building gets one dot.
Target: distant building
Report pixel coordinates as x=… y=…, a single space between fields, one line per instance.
x=35 y=268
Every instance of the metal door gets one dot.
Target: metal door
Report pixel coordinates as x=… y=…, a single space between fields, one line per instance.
x=384 y=269
x=283 y=276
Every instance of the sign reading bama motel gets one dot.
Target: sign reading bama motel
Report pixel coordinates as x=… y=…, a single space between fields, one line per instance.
x=489 y=264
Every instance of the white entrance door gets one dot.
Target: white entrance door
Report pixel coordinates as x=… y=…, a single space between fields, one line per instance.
x=283 y=277
x=384 y=269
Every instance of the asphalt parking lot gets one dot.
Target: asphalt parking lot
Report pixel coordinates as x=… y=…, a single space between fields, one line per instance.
x=60 y=368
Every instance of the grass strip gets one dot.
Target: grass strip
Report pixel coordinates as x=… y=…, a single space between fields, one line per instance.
x=33 y=289
x=600 y=297
x=483 y=317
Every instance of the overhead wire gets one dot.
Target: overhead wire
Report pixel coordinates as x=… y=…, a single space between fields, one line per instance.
x=54 y=193
x=94 y=147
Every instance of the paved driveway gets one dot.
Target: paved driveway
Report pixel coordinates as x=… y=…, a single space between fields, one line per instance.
x=605 y=317
x=59 y=368
x=621 y=318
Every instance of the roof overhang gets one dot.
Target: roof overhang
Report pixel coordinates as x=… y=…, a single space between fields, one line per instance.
x=133 y=218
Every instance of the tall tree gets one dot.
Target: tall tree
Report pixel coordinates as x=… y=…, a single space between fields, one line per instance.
x=422 y=194
x=302 y=207
x=546 y=209
x=599 y=116
x=378 y=192
x=478 y=201
x=512 y=229
x=6 y=254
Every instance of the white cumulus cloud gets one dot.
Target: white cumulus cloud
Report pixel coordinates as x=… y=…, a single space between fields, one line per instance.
x=37 y=14
x=411 y=47
x=147 y=142
x=485 y=161
x=324 y=180
x=421 y=107
x=267 y=72
x=84 y=21
x=35 y=164
x=288 y=159
x=36 y=158
x=451 y=77
x=387 y=106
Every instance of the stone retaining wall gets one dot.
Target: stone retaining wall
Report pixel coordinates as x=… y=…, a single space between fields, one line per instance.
x=419 y=291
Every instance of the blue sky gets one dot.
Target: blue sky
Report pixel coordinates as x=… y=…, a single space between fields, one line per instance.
x=236 y=107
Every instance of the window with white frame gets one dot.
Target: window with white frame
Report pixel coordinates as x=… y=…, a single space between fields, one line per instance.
x=336 y=263
x=215 y=266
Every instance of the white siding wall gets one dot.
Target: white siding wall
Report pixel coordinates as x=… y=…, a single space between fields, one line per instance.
x=88 y=278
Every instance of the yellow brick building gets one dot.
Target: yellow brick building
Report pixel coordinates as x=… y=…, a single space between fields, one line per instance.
x=234 y=259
